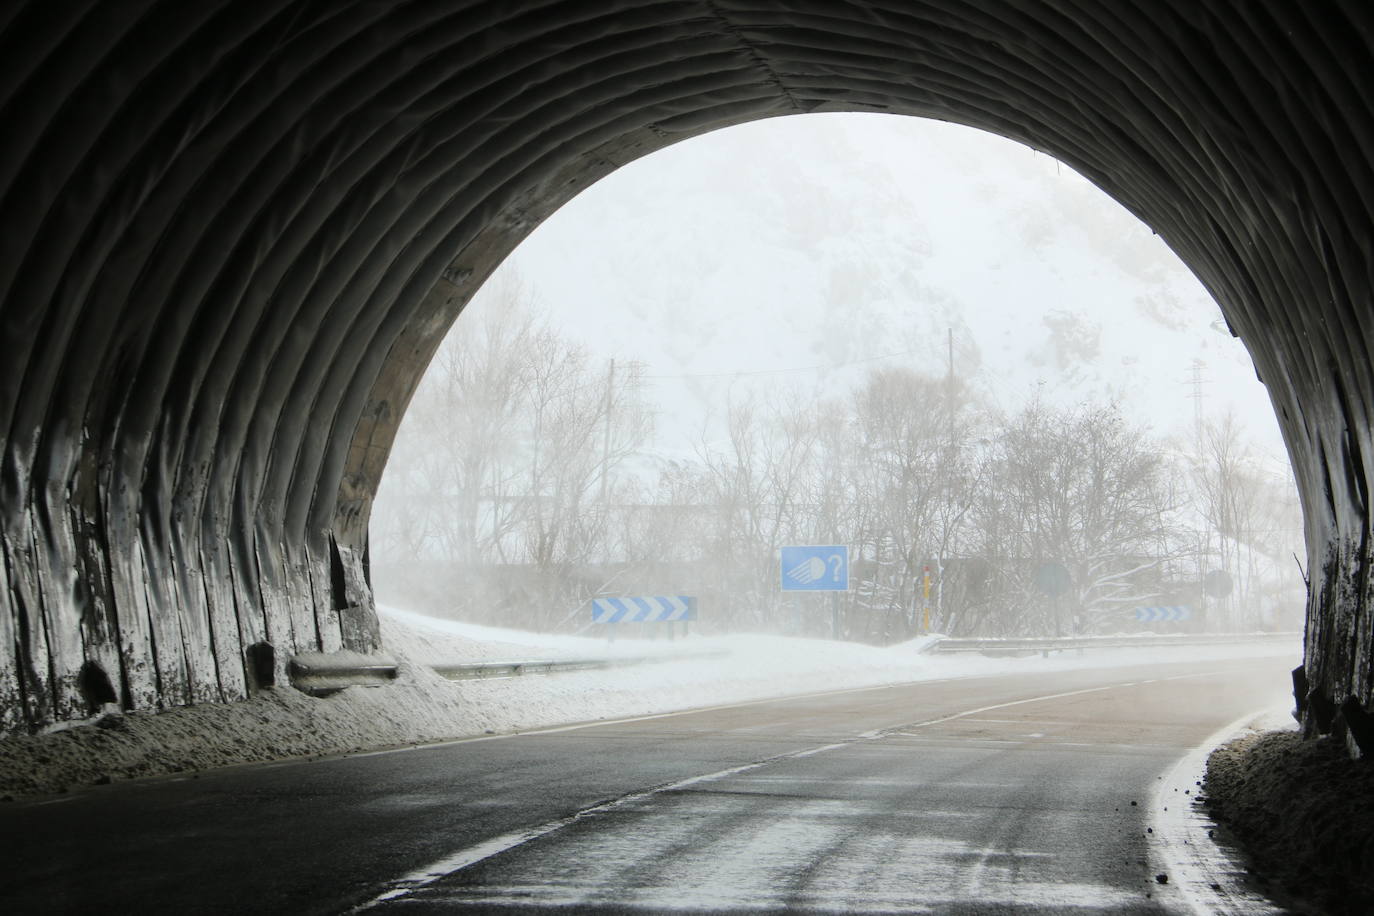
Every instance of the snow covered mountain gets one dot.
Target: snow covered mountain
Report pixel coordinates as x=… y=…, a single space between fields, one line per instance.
x=800 y=252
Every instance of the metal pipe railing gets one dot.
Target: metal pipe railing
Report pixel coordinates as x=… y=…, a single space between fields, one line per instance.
x=1047 y=644
x=497 y=668
x=320 y=674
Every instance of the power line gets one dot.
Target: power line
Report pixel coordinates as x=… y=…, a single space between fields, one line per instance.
x=818 y=366
x=1197 y=381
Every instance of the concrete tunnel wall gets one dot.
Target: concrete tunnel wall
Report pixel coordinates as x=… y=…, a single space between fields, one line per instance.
x=234 y=232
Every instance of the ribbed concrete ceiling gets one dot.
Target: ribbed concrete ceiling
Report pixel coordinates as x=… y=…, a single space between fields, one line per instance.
x=234 y=232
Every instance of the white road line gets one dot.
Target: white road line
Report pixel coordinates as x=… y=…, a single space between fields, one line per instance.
x=598 y=723
x=1208 y=877
x=1052 y=696
x=1057 y=696
x=471 y=855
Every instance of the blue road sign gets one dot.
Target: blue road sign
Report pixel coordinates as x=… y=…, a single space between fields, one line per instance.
x=646 y=608
x=1053 y=578
x=1167 y=612
x=815 y=569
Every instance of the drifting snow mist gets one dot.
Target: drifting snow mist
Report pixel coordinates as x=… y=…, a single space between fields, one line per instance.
x=940 y=348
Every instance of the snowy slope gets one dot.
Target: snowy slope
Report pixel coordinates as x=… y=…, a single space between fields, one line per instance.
x=823 y=244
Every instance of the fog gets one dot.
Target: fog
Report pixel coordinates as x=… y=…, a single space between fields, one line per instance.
x=952 y=354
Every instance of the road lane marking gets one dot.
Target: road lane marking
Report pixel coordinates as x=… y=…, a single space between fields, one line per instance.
x=743 y=704
x=1208 y=877
x=648 y=717
x=471 y=855
x=1051 y=696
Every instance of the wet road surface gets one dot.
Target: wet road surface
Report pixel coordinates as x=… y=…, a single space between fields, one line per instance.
x=988 y=795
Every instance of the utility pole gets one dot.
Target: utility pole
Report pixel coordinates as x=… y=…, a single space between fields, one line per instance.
x=925 y=599
x=949 y=388
x=946 y=547
x=606 y=445
x=1204 y=536
x=1196 y=381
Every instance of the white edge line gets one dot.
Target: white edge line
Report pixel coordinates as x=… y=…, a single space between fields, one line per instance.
x=486 y=849
x=1201 y=871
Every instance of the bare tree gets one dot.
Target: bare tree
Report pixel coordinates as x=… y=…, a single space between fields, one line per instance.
x=515 y=492
x=763 y=485
x=1250 y=520
x=1081 y=491
x=902 y=447
x=493 y=497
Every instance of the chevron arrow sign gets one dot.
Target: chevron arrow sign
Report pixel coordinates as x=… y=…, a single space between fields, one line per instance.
x=647 y=608
x=1168 y=612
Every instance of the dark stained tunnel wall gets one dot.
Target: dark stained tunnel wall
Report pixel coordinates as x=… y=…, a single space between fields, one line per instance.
x=235 y=230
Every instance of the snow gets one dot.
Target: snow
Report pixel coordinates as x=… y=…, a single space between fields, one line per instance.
x=1303 y=813
x=421 y=707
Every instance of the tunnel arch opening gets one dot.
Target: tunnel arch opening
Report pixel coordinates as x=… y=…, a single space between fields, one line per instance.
x=858 y=236
x=236 y=235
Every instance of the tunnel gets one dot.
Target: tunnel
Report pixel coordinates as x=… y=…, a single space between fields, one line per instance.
x=235 y=232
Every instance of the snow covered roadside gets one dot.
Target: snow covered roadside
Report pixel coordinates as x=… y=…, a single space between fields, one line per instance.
x=421 y=707
x=1302 y=811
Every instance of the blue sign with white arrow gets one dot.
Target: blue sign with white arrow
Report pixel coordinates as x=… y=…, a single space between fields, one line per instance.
x=645 y=608
x=1164 y=612
x=815 y=568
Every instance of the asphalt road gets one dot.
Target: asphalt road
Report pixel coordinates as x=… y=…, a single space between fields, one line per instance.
x=988 y=795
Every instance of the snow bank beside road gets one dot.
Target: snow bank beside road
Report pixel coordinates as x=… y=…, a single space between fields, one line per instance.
x=422 y=707
x=742 y=668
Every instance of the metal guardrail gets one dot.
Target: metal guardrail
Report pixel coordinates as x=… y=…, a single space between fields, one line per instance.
x=1051 y=644
x=519 y=667
x=320 y=674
